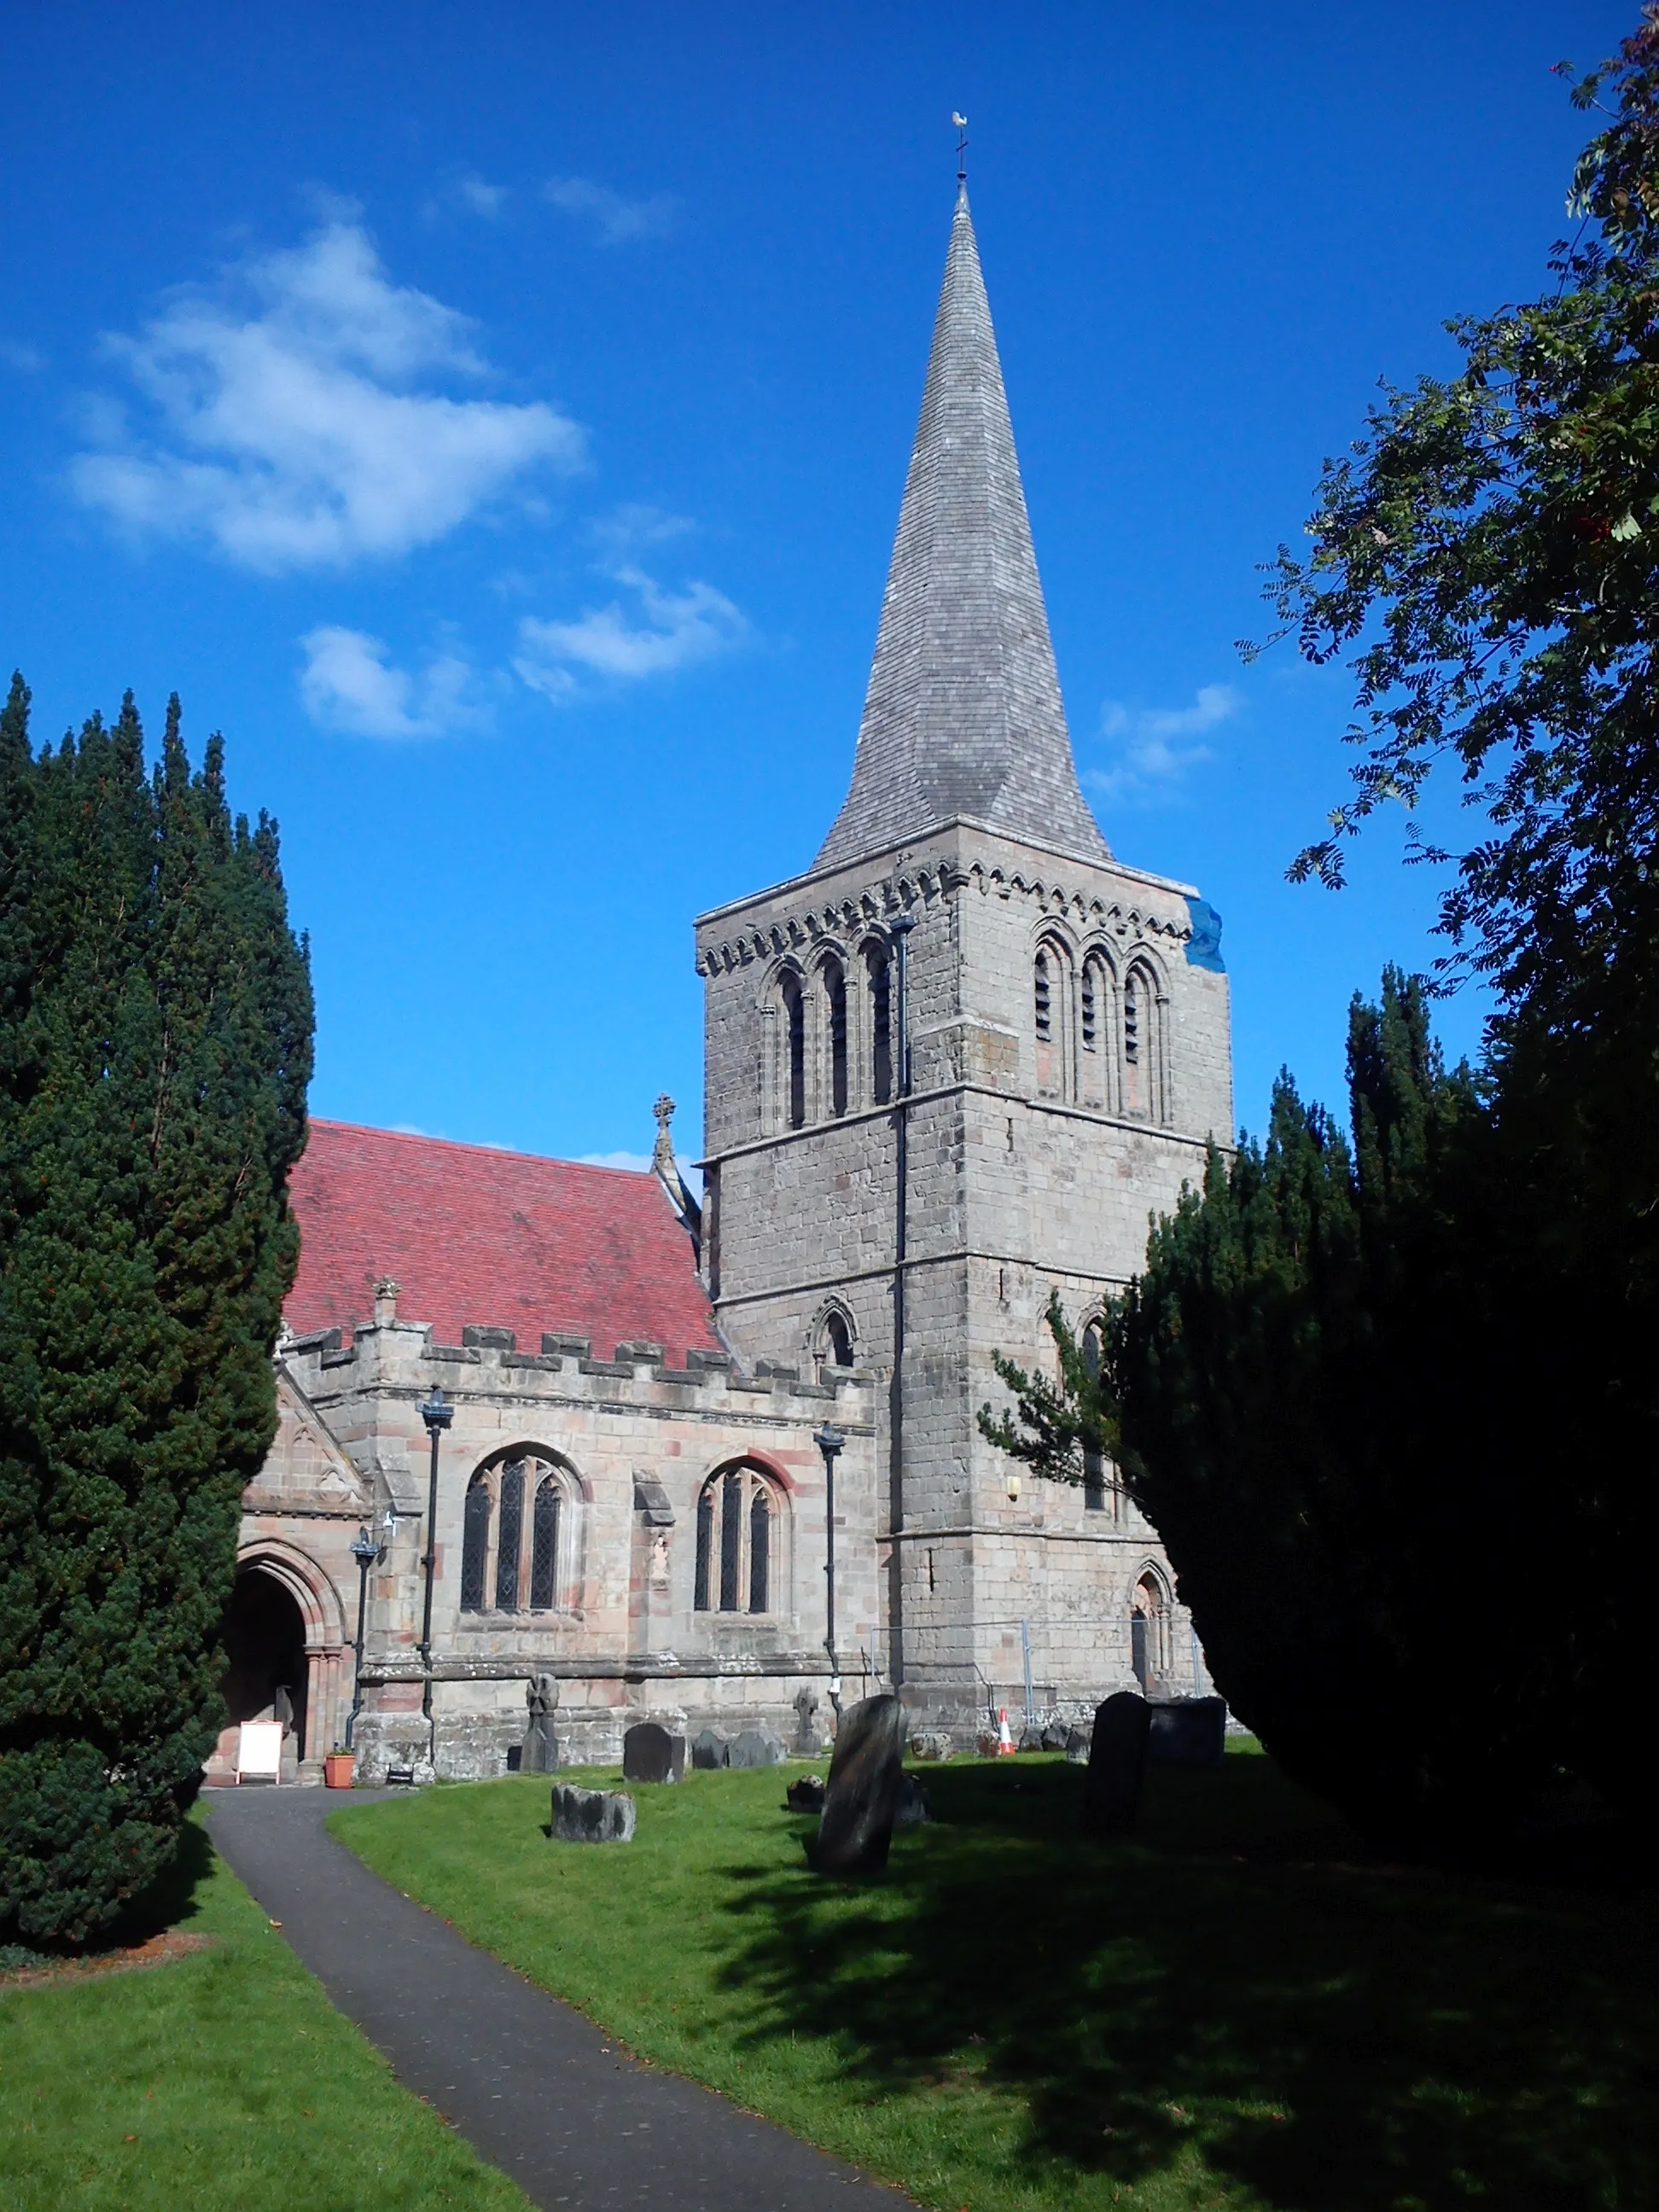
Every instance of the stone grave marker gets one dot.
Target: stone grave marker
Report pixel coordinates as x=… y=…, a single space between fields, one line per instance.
x=1117 y=1765
x=861 y=1796
x=806 y=1795
x=1077 y=1742
x=930 y=1743
x=1189 y=1732
x=541 y=1743
x=709 y=1749
x=757 y=1746
x=650 y=1753
x=913 y=1803
x=806 y=1733
x=592 y=1816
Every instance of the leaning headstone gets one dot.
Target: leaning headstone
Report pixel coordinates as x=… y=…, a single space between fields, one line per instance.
x=651 y=1754
x=1077 y=1744
x=1117 y=1765
x=806 y=1795
x=757 y=1746
x=1189 y=1732
x=1056 y=1736
x=913 y=1802
x=709 y=1749
x=540 y=1753
x=592 y=1816
x=806 y=1731
x=861 y=1797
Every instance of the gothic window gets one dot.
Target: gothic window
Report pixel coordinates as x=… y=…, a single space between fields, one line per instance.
x=544 y=1546
x=1053 y=1016
x=834 y=995
x=510 y=1529
x=1094 y=1019
x=837 y=1347
x=510 y=1542
x=1149 y=1633
x=794 y=1024
x=738 y=1527
x=475 y=1543
x=881 y=1024
x=1143 y=1052
x=1096 y=1488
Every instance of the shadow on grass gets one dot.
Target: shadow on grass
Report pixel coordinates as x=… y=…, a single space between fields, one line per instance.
x=1331 y=2033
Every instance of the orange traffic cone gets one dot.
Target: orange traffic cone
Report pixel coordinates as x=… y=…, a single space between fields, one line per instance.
x=1006 y=1746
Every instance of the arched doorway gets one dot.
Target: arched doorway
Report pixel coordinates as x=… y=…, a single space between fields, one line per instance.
x=265 y=1665
x=1149 y=1634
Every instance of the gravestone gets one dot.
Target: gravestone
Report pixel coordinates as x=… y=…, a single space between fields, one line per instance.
x=710 y=1749
x=541 y=1743
x=757 y=1746
x=1057 y=1736
x=1077 y=1741
x=806 y=1795
x=650 y=1753
x=930 y=1744
x=861 y=1796
x=806 y=1733
x=1117 y=1765
x=592 y=1816
x=1189 y=1732
x=913 y=1802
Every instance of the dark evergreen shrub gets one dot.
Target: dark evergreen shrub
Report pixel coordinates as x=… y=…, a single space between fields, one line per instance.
x=155 y=1027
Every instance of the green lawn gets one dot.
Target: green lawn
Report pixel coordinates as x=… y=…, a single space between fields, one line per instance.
x=221 y=2082
x=1230 y=2010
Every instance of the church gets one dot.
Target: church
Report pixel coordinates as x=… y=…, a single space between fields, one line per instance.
x=552 y=1428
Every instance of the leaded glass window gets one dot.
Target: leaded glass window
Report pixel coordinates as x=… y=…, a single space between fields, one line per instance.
x=544 y=1546
x=475 y=1543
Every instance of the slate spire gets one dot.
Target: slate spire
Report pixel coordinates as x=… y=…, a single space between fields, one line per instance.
x=963 y=712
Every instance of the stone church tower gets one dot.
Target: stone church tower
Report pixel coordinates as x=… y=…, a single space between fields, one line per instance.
x=955 y=1067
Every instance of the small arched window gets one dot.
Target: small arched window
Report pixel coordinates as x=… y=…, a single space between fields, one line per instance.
x=1149 y=1633
x=794 y=1048
x=1045 y=1000
x=737 y=1523
x=1052 y=1016
x=475 y=1543
x=1096 y=1488
x=879 y=971
x=837 y=1340
x=835 y=999
x=1143 y=1047
x=1094 y=1031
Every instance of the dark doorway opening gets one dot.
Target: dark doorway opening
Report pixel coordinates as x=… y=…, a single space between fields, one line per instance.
x=264 y=1640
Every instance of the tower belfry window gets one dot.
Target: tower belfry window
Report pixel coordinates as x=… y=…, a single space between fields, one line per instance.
x=1045 y=1009
x=881 y=1026
x=835 y=993
x=794 y=1017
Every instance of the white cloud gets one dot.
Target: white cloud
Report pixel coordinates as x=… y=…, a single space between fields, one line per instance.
x=289 y=424
x=617 y=221
x=349 y=684
x=635 y=1163
x=660 y=631
x=27 y=360
x=1157 y=746
x=480 y=198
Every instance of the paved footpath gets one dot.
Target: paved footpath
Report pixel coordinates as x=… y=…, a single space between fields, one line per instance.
x=531 y=2083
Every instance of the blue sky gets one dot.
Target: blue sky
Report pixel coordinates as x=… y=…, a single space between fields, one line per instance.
x=494 y=420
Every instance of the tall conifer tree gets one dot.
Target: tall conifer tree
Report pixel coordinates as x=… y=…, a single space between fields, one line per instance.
x=155 y=1025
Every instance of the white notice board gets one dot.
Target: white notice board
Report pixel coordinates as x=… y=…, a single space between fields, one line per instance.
x=259 y=1757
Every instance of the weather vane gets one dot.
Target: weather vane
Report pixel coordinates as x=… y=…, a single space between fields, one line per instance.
x=961 y=122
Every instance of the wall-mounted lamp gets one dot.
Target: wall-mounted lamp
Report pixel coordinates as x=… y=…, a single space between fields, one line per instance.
x=1013 y=1485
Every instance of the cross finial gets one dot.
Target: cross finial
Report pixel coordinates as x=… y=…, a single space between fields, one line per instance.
x=664 y=1111
x=961 y=122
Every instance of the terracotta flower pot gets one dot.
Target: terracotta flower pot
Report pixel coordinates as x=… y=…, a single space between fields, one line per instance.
x=336 y=1770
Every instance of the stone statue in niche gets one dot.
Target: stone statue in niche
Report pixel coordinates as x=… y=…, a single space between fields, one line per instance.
x=541 y=1743
x=659 y=1556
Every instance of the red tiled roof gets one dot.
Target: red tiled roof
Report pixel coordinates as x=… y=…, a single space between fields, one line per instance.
x=505 y=1239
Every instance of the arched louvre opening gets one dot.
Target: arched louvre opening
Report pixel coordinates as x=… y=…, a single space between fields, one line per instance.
x=835 y=996
x=510 y=1542
x=738 y=1526
x=544 y=1546
x=1143 y=1047
x=1094 y=1031
x=880 y=975
x=1096 y=1489
x=1052 y=1016
x=475 y=1543
x=794 y=1047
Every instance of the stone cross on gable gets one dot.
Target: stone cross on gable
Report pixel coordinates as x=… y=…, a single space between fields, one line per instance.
x=663 y=1156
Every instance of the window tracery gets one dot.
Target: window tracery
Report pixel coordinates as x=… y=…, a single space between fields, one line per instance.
x=740 y=1527
x=511 y=1521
